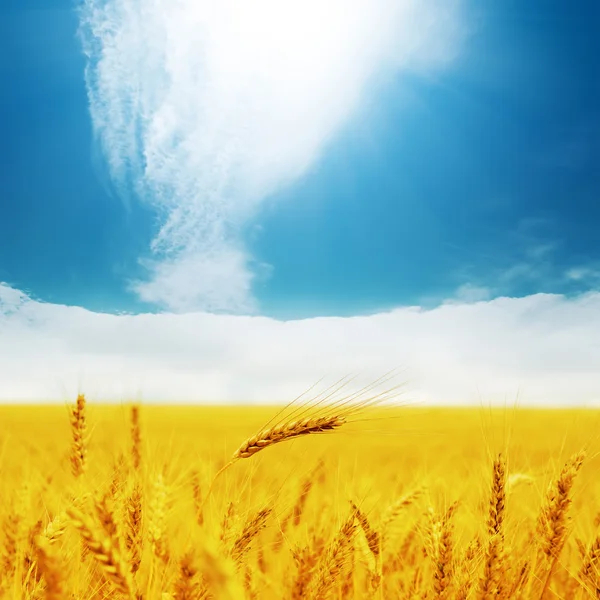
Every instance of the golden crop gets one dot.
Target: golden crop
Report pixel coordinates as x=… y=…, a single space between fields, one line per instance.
x=116 y=502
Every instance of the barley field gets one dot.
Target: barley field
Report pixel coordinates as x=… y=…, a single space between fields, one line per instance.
x=174 y=502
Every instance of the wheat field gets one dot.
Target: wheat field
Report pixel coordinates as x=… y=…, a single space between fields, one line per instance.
x=174 y=502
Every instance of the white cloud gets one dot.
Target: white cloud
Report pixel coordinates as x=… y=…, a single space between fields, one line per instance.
x=208 y=107
x=544 y=347
x=589 y=274
x=468 y=293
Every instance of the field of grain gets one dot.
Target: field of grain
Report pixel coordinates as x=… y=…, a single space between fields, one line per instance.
x=116 y=502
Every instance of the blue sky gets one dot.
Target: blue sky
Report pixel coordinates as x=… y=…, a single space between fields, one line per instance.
x=457 y=162
x=437 y=181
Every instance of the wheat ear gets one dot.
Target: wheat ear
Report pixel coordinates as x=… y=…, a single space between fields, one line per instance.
x=329 y=414
x=250 y=531
x=333 y=561
x=590 y=570
x=491 y=585
x=189 y=585
x=553 y=520
x=49 y=567
x=157 y=514
x=136 y=437
x=104 y=551
x=78 y=430
x=440 y=549
x=280 y=433
x=133 y=532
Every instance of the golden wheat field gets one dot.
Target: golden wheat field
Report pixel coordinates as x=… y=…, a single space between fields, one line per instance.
x=116 y=502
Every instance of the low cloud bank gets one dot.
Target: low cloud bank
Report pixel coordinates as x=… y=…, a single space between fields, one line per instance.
x=545 y=348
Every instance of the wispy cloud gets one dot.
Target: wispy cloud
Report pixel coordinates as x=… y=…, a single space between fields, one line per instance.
x=207 y=108
x=587 y=274
x=543 y=347
x=537 y=259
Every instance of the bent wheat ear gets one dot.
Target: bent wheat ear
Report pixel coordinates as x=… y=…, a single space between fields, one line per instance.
x=287 y=431
x=329 y=411
x=326 y=412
